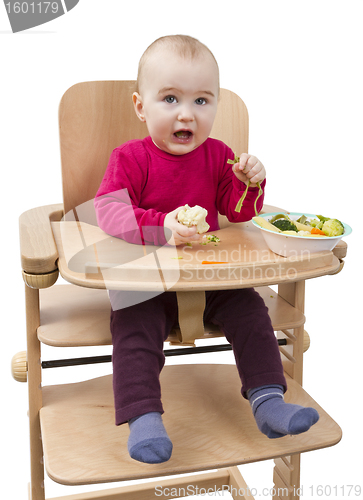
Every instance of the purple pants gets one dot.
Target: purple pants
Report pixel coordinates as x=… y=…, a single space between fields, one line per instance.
x=139 y=332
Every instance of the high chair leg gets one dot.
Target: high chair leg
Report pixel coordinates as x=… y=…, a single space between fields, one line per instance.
x=294 y=294
x=287 y=478
x=36 y=488
x=287 y=469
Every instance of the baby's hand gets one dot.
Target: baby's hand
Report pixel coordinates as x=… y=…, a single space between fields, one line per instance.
x=250 y=169
x=180 y=234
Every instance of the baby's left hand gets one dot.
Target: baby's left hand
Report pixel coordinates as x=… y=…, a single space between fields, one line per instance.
x=250 y=169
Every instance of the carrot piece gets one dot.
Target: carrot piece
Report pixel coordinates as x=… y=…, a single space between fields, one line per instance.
x=213 y=262
x=315 y=230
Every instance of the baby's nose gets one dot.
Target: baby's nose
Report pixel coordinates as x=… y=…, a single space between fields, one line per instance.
x=185 y=114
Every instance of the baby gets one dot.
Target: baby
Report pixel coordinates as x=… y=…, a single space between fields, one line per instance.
x=178 y=164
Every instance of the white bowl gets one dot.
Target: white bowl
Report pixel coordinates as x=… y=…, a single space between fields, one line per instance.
x=289 y=245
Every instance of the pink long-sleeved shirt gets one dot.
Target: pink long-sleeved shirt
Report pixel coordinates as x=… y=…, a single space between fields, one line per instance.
x=143 y=183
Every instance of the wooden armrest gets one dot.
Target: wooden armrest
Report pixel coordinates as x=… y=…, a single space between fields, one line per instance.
x=340 y=250
x=39 y=252
x=266 y=209
x=224 y=222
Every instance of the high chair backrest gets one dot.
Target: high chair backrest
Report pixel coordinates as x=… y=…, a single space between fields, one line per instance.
x=96 y=117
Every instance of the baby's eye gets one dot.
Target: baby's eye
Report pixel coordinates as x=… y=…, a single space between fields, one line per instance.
x=200 y=101
x=170 y=99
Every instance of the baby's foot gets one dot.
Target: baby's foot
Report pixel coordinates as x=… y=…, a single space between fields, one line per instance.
x=148 y=441
x=274 y=417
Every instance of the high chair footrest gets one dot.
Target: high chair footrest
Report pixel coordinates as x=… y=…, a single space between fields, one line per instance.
x=223 y=481
x=207 y=419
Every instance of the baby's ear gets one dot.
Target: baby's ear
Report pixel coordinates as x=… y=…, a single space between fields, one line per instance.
x=138 y=106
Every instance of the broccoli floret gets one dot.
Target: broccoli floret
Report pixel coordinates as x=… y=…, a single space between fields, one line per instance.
x=333 y=227
x=322 y=218
x=285 y=225
x=316 y=223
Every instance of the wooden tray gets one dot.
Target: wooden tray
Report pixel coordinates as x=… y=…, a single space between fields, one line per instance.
x=89 y=257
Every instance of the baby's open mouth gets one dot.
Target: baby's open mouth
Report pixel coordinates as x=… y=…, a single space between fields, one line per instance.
x=183 y=134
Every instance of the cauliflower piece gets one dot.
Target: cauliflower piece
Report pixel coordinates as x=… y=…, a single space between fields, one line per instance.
x=304 y=233
x=333 y=227
x=194 y=216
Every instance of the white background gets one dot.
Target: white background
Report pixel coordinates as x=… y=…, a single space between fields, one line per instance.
x=297 y=65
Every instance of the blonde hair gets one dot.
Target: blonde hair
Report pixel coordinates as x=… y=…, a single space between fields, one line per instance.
x=183 y=45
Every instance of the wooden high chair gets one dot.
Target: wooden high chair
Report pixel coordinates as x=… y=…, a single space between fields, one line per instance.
x=209 y=423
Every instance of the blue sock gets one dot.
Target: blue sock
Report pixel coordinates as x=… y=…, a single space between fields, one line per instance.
x=274 y=417
x=148 y=441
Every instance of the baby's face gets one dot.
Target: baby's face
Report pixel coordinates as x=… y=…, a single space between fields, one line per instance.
x=178 y=100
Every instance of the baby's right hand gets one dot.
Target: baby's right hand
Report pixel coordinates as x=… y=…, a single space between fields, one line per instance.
x=180 y=234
